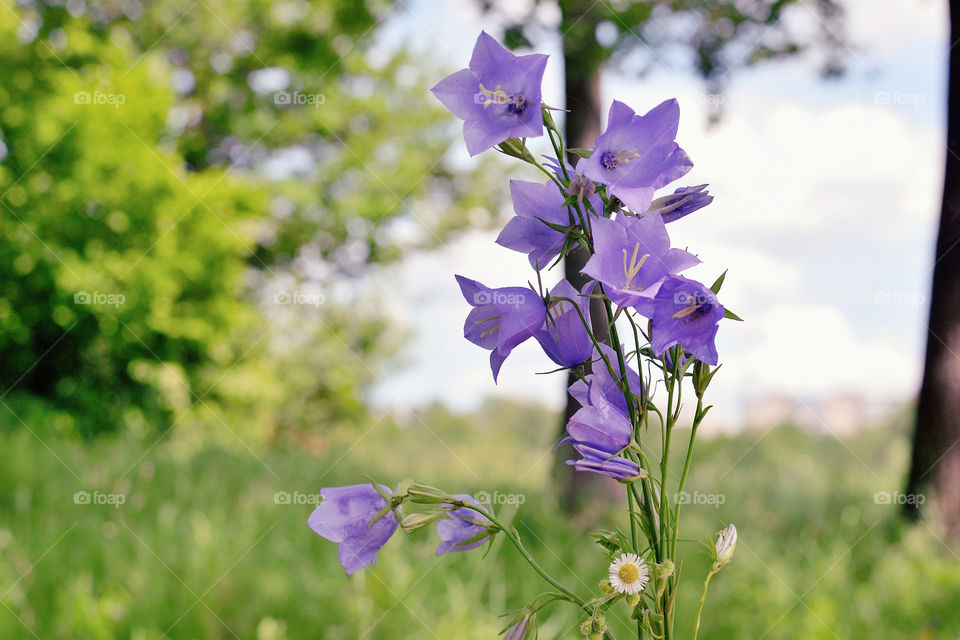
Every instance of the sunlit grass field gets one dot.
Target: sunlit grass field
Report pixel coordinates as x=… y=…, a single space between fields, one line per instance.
x=203 y=545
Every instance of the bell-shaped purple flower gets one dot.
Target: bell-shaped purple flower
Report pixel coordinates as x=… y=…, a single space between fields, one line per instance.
x=501 y=318
x=459 y=526
x=526 y=232
x=637 y=155
x=601 y=428
x=631 y=257
x=687 y=313
x=563 y=336
x=497 y=97
x=344 y=517
x=681 y=202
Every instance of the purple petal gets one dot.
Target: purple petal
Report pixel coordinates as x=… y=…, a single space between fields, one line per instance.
x=458 y=93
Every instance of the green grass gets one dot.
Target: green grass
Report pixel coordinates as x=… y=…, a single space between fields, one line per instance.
x=199 y=549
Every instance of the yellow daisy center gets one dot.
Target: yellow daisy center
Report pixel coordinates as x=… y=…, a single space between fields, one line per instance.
x=628 y=573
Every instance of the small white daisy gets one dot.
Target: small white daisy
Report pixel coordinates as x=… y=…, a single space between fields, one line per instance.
x=628 y=574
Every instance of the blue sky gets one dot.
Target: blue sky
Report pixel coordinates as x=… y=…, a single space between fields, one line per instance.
x=827 y=197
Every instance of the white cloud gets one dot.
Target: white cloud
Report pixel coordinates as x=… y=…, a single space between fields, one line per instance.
x=808 y=349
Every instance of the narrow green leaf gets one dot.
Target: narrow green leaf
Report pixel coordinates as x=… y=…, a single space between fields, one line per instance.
x=715 y=287
x=731 y=315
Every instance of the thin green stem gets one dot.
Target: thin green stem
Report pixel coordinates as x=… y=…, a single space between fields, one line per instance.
x=514 y=536
x=703 y=598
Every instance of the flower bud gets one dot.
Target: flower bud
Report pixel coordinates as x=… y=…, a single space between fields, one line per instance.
x=633 y=599
x=426 y=495
x=605 y=587
x=725 y=546
x=664 y=569
x=416 y=521
x=524 y=627
x=598 y=623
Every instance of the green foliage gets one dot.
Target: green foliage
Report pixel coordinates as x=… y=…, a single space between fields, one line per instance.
x=123 y=275
x=817 y=556
x=143 y=239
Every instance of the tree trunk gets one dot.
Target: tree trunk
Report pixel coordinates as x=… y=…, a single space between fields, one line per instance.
x=582 y=126
x=936 y=441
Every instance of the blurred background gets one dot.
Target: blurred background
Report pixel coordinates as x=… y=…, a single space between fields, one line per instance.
x=228 y=235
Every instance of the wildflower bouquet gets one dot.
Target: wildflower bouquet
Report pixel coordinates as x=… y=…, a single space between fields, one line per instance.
x=605 y=205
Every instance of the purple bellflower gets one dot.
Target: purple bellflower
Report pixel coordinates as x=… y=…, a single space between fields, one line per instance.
x=632 y=257
x=526 y=232
x=681 y=202
x=601 y=428
x=501 y=318
x=637 y=155
x=687 y=313
x=497 y=97
x=563 y=337
x=458 y=526
x=344 y=517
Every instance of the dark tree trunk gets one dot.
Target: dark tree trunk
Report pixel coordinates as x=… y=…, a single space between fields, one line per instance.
x=582 y=91
x=936 y=441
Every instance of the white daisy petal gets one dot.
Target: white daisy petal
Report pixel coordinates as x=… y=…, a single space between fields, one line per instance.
x=628 y=574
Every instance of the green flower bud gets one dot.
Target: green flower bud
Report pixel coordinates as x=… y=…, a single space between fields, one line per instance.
x=427 y=495
x=606 y=587
x=665 y=569
x=416 y=521
x=598 y=623
x=633 y=599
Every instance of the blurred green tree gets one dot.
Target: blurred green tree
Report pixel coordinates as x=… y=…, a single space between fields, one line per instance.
x=180 y=183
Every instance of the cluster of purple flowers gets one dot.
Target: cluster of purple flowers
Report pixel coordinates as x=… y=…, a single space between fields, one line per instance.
x=606 y=204
x=632 y=263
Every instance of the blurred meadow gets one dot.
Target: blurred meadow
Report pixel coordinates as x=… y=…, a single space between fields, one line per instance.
x=218 y=221
x=201 y=549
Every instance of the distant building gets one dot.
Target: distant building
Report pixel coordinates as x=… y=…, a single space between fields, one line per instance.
x=840 y=415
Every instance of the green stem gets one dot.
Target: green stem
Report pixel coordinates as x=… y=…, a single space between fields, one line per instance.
x=703 y=598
